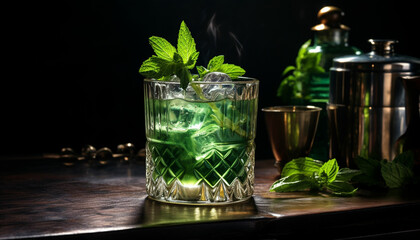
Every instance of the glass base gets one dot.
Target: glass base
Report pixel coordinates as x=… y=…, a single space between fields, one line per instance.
x=199 y=203
x=240 y=189
x=202 y=193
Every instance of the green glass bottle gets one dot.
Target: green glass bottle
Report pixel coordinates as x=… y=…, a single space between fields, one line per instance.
x=330 y=39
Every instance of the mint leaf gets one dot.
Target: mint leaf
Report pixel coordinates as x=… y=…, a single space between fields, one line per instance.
x=371 y=171
x=307 y=173
x=150 y=69
x=166 y=68
x=346 y=174
x=395 y=174
x=310 y=61
x=304 y=165
x=295 y=182
x=405 y=158
x=317 y=69
x=178 y=59
x=162 y=48
x=215 y=63
x=202 y=71
x=288 y=69
x=287 y=88
x=329 y=170
x=186 y=46
x=184 y=75
x=158 y=68
x=341 y=188
x=232 y=70
x=192 y=60
x=303 y=50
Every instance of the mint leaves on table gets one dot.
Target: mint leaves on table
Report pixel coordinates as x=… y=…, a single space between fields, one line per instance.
x=305 y=173
x=394 y=174
x=170 y=61
x=295 y=85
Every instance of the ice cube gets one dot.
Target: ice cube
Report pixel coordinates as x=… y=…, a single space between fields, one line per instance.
x=190 y=94
x=174 y=78
x=217 y=91
x=174 y=90
x=216 y=77
x=205 y=138
x=184 y=115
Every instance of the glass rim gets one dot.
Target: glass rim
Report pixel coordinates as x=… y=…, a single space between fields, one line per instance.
x=292 y=108
x=242 y=80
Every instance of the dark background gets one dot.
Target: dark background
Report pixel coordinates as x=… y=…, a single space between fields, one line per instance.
x=71 y=77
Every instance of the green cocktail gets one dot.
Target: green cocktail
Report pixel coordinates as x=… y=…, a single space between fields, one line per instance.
x=200 y=142
x=200 y=128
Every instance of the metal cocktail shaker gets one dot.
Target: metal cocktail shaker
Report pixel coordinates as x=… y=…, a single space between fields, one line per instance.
x=366 y=108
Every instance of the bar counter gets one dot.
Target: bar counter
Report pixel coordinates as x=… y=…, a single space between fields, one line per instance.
x=44 y=198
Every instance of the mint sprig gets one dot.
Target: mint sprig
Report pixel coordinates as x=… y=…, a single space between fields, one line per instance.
x=170 y=61
x=305 y=173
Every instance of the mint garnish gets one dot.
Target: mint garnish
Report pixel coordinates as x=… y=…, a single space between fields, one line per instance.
x=170 y=61
x=305 y=173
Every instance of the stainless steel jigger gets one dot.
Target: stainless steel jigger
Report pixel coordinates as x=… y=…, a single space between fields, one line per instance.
x=291 y=130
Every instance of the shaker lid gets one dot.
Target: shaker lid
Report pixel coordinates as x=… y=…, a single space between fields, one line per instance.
x=381 y=58
x=330 y=18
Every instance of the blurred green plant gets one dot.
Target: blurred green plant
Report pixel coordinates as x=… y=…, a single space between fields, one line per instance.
x=295 y=86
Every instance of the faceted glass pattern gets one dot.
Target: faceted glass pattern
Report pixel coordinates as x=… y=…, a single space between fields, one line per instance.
x=200 y=152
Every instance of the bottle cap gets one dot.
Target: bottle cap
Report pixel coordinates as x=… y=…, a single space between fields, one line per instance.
x=330 y=18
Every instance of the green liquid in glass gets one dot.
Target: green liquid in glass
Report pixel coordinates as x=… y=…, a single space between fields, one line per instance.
x=190 y=144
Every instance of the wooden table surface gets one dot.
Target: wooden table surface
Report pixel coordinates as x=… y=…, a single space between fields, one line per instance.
x=44 y=198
